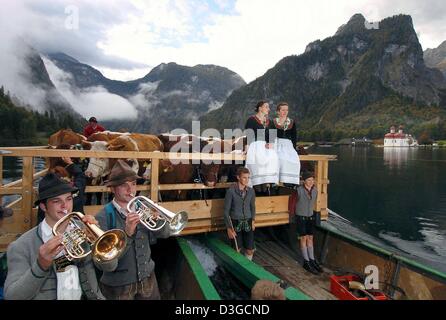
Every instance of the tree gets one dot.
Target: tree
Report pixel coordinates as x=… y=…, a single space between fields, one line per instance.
x=424 y=138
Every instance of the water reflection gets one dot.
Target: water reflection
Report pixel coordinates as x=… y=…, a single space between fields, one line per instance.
x=397 y=195
x=397 y=158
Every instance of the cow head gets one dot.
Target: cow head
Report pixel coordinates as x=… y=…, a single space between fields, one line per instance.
x=209 y=174
x=98 y=167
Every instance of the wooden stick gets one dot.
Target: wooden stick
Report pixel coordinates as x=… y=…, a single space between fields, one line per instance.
x=235 y=238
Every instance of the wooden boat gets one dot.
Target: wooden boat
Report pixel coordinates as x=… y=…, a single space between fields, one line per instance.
x=275 y=258
x=342 y=254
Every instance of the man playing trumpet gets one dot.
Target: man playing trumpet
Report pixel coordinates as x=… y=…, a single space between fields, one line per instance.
x=37 y=266
x=132 y=276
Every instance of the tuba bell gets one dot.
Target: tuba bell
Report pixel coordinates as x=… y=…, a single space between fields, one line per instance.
x=80 y=239
x=146 y=210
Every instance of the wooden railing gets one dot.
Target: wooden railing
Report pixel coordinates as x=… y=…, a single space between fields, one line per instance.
x=204 y=216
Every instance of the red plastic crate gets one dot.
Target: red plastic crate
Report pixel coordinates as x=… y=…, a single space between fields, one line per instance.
x=339 y=288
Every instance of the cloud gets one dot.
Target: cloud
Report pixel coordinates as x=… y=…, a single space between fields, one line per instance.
x=15 y=74
x=123 y=39
x=93 y=101
x=58 y=25
x=145 y=100
x=251 y=38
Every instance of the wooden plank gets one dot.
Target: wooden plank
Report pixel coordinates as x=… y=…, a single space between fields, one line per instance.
x=162 y=187
x=141 y=155
x=15 y=204
x=53 y=153
x=27 y=192
x=324 y=210
x=197 y=209
x=18 y=182
x=206 y=218
x=25 y=148
x=10 y=190
x=154 y=180
x=14 y=223
x=192 y=186
x=6 y=239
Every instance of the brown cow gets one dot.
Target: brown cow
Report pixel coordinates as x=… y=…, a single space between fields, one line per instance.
x=65 y=136
x=136 y=142
x=172 y=172
x=125 y=142
x=104 y=136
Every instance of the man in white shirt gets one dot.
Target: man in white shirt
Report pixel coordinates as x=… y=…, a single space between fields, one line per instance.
x=37 y=266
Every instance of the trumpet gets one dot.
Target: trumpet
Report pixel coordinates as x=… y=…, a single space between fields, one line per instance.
x=80 y=241
x=154 y=217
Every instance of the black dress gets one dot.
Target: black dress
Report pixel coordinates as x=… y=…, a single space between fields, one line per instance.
x=289 y=133
x=262 y=162
x=261 y=131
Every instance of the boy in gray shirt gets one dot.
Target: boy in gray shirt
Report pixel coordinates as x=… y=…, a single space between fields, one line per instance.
x=306 y=199
x=240 y=213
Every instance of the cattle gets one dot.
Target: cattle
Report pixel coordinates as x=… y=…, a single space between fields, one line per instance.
x=105 y=136
x=222 y=171
x=65 y=137
x=100 y=167
x=171 y=172
x=59 y=162
x=97 y=167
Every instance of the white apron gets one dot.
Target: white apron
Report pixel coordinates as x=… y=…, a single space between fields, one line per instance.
x=262 y=163
x=289 y=162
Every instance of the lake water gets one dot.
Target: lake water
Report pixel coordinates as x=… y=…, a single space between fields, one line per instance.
x=12 y=171
x=393 y=197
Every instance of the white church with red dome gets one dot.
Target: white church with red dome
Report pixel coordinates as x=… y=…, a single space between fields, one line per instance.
x=399 y=139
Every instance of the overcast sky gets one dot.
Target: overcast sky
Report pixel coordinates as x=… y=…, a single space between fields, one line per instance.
x=126 y=39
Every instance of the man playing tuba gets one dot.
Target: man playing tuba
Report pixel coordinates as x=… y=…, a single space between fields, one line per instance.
x=132 y=276
x=37 y=265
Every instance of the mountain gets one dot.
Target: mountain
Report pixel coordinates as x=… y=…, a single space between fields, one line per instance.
x=29 y=86
x=85 y=76
x=23 y=126
x=361 y=80
x=53 y=101
x=168 y=97
x=436 y=58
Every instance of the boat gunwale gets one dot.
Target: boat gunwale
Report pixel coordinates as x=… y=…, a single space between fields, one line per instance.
x=205 y=284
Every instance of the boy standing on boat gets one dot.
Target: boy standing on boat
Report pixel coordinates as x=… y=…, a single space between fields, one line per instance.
x=305 y=220
x=37 y=266
x=132 y=276
x=240 y=213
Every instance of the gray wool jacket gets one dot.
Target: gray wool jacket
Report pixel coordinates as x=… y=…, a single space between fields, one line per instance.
x=306 y=202
x=26 y=280
x=136 y=262
x=237 y=207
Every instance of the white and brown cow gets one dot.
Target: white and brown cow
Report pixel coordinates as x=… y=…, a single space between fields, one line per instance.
x=100 y=167
x=65 y=137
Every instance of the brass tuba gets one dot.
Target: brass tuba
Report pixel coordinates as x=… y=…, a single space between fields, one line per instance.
x=146 y=209
x=80 y=242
